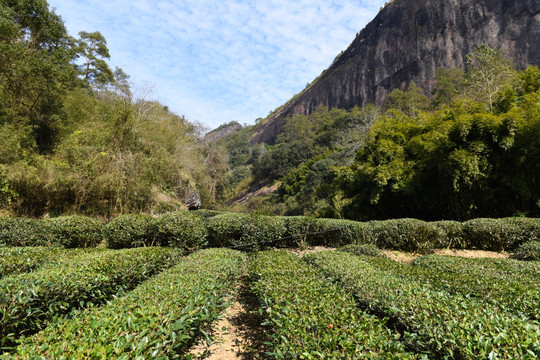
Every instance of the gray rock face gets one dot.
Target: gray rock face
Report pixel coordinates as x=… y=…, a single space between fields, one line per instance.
x=407 y=41
x=193 y=200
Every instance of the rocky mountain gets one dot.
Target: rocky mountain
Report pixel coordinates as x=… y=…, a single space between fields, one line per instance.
x=407 y=41
x=220 y=132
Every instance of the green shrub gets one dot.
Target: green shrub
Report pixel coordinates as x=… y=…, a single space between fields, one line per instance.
x=500 y=234
x=28 y=301
x=160 y=319
x=310 y=317
x=22 y=232
x=528 y=251
x=181 y=229
x=206 y=213
x=74 y=231
x=245 y=231
x=405 y=235
x=451 y=235
x=439 y=324
x=127 y=231
x=362 y=249
x=305 y=231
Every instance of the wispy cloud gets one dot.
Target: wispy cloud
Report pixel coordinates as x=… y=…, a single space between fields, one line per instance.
x=216 y=61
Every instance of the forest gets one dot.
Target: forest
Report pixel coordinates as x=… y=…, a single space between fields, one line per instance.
x=77 y=139
x=468 y=149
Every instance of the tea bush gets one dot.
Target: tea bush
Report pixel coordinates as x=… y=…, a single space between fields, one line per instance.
x=528 y=251
x=131 y=230
x=245 y=231
x=74 y=231
x=181 y=229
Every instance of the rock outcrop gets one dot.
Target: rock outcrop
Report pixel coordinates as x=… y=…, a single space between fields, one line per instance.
x=407 y=41
x=220 y=132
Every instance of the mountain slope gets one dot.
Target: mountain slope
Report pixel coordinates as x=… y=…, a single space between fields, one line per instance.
x=407 y=41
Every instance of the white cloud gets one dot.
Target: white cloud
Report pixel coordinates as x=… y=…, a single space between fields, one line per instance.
x=218 y=61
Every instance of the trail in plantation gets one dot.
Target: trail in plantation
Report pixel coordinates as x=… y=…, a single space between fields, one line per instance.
x=239 y=335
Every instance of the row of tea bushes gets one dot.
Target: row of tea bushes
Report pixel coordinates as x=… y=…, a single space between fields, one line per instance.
x=442 y=325
x=160 y=319
x=30 y=300
x=65 y=231
x=18 y=260
x=192 y=231
x=309 y=317
x=518 y=294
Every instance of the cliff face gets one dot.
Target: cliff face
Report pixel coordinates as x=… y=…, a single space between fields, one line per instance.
x=220 y=132
x=407 y=41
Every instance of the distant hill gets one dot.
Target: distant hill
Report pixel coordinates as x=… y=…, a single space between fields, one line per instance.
x=407 y=41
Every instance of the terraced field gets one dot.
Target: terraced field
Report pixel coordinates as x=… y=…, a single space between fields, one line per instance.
x=156 y=303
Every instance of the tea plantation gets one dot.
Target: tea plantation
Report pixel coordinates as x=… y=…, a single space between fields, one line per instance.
x=140 y=287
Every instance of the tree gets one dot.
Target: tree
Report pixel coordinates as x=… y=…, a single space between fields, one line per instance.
x=488 y=72
x=410 y=101
x=92 y=48
x=35 y=69
x=449 y=83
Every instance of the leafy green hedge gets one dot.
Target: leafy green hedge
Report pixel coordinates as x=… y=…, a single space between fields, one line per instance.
x=311 y=318
x=27 y=301
x=500 y=234
x=188 y=230
x=160 y=319
x=442 y=325
x=305 y=231
x=405 y=234
x=65 y=231
x=528 y=251
x=128 y=231
x=22 y=232
x=180 y=229
x=74 y=231
x=18 y=260
x=245 y=231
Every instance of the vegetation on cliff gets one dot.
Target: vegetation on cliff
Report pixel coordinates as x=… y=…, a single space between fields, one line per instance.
x=470 y=149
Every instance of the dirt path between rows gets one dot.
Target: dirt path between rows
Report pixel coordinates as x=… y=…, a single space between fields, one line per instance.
x=239 y=335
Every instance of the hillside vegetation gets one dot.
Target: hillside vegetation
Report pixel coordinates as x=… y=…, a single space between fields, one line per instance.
x=74 y=137
x=469 y=149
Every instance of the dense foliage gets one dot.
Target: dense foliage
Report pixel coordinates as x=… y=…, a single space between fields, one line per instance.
x=74 y=137
x=30 y=300
x=160 y=319
x=437 y=323
x=309 y=317
x=470 y=149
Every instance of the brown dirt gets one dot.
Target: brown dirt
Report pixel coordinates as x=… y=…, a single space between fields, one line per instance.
x=400 y=256
x=301 y=252
x=239 y=335
x=472 y=253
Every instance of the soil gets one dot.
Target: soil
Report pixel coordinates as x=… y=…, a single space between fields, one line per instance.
x=239 y=335
x=472 y=253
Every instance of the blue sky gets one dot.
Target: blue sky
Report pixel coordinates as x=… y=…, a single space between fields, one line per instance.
x=217 y=61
